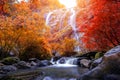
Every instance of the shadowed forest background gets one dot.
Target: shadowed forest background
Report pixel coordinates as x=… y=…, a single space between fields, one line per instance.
x=24 y=33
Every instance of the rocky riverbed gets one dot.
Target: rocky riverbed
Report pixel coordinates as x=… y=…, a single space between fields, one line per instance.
x=80 y=68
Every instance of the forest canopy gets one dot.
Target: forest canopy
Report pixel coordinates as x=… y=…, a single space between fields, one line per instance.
x=23 y=29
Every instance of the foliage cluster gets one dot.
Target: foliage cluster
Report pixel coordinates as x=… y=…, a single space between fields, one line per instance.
x=22 y=30
x=65 y=47
x=100 y=22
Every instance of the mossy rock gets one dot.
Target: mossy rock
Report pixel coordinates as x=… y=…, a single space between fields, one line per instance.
x=98 y=55
x=10 y=60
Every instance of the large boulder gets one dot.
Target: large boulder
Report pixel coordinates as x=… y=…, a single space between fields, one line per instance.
x=110 y=65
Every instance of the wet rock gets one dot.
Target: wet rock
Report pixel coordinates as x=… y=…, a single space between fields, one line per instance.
x=34 y=60
x=23 y=65
x=62 y=60
x=43 y=63
x=8 y=68
x=56 y=58
x=84 y=63
x=110 y=65
x=1 y=64
x=33 y=63
x=10 y=60
x=112 y=77
x=95 y=63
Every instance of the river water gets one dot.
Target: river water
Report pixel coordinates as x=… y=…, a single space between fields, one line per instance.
x=61 y=73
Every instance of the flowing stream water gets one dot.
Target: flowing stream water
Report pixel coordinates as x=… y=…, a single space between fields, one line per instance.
x=63 y=69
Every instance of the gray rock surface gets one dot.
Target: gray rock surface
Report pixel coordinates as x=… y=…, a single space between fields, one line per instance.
x=23 y=65
x=110 y=65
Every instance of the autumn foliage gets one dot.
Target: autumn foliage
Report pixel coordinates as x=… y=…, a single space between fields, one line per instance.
x=102 y=24
x=23 y=30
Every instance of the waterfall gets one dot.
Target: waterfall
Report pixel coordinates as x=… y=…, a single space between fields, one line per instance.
x=73 y=25
x=56 y=19
x=48 y=18
x=65 y=62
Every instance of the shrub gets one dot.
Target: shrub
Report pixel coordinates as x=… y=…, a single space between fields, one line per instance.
x=38 y=48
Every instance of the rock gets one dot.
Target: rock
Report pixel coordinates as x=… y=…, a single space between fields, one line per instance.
x=62 y=60
x=33 y=63
x=56 y=58
x=23 y=65
x=78 y=60
x=10 y=60
x=84 y=63
x=114 y=50
x=1 y=64
x=112 y=77
x=110 y=65
x=34 y=59
x=43 y=63
x=95 y=63
x=8 y=68
x=98 y=55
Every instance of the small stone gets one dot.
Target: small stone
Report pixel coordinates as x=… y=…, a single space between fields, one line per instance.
x=85 y=63
x=33 y=63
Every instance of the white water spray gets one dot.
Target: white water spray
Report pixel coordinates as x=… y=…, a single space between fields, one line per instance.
x=48 y=18
x=73 y=25
x=65 y=62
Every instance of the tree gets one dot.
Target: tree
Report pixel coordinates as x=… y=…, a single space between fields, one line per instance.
x=21 y=29
x=103 y=29
x=6 y=7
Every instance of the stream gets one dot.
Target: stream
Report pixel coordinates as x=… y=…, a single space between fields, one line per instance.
x=64 y=68
x=61 y=73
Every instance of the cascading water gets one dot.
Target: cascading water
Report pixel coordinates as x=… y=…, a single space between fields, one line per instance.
x=48 y=18
x=62 y=19
x=65 y=62
x=73 y=25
